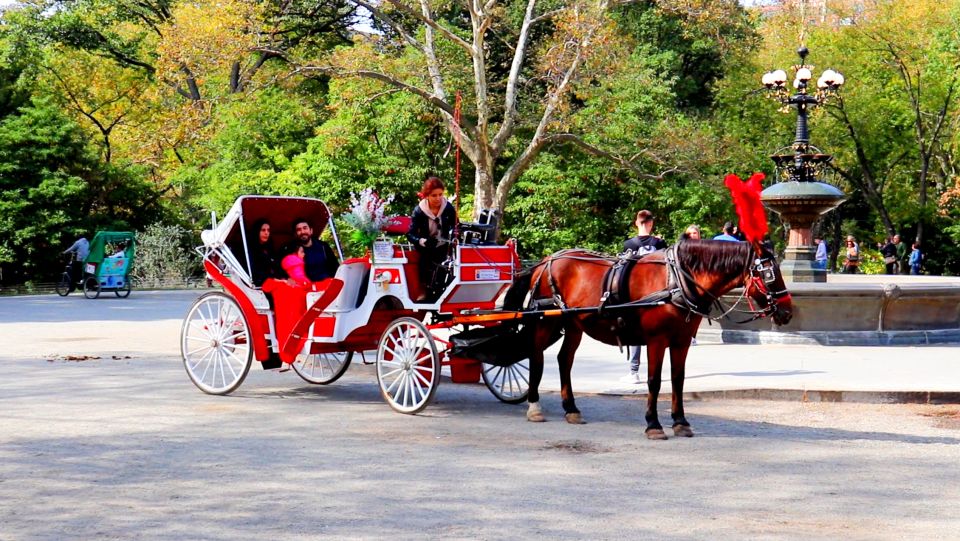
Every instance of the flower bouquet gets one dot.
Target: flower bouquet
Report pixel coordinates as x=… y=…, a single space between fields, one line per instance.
x=367 y=217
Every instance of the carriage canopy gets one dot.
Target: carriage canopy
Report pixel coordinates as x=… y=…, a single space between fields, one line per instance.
x=234 y=231
x=115 y=239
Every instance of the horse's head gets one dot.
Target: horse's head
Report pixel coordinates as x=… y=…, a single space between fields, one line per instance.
x=765 y=286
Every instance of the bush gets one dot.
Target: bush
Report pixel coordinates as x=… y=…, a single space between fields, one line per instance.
x=163 y=255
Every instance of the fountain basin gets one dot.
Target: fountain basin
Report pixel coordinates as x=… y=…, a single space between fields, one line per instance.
x=858 y=310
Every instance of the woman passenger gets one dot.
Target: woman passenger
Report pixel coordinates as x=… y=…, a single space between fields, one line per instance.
x=263 y=258
x=431 y=229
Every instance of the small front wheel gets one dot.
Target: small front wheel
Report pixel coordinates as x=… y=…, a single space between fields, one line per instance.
x=408 y=366
x=322 y=368
x=91 y=287
x=64 y=285
x=215 y=344
x=509 y=384
x=123 y=291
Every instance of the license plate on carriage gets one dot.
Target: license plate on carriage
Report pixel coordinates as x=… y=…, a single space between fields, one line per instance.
x=487 y=274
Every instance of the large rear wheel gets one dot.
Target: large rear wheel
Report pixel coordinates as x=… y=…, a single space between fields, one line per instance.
x=408 y=365
x=64 y=285
x=509 y=384
x=91 y=287
x=322 y=368
x=215 y=344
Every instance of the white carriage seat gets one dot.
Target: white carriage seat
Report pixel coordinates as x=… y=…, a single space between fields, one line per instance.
x=353 y=275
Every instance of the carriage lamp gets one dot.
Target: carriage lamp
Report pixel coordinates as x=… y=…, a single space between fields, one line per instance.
x=800 y=195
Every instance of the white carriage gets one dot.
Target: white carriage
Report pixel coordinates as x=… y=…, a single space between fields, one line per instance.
x=367 y=306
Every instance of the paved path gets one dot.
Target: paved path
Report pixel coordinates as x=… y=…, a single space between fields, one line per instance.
x=148 y=324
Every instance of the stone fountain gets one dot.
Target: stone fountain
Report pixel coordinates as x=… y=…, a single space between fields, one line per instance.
x=799 y=197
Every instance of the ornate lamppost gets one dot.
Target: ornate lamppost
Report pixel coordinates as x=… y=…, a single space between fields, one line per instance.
x=798 y=196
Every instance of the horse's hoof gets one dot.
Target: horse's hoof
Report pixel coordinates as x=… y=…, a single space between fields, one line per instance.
x=682 y=431
x=656 y=434
x=535 y=413
x=575 y=419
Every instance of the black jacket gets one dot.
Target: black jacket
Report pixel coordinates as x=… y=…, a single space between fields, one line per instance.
x=319 y=261
x=264 y=263
x=420 y=224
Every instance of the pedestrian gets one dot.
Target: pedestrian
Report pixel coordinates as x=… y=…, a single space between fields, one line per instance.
x=852 y=262
x=889 y=252
x=728 y=233
x=821 y=256
x=916 y=259
x=692 y=232
x=642 y=244
x=903 y=255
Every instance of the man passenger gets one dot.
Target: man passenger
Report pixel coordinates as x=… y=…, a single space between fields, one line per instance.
x=319 y=259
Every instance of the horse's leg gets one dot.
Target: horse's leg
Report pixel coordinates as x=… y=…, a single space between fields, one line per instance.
x=678 y=368
x=571 y=341
x=655 y=351
x=534 y=411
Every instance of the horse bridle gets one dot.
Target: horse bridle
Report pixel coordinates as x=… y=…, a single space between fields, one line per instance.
x=762 y=277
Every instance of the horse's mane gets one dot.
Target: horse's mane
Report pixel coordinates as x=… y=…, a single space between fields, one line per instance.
x=723 y=257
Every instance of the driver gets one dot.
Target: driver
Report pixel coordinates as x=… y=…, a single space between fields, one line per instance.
x=431 y=227
x=81 y=247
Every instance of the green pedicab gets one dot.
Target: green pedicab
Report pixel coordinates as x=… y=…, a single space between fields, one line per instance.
x=106 y=272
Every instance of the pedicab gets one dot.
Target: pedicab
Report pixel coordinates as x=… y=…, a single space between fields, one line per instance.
x=368 y=306
x=102 y=271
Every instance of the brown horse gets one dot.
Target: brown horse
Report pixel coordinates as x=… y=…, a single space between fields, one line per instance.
x=660 y=303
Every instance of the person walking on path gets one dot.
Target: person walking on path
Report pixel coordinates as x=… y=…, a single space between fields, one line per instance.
x=916 y=259
x=821 y=256
x=852 y=262
x=692 y=232
x=903 y=255
x=889 y=253
x=727 y=235
x=642 y=244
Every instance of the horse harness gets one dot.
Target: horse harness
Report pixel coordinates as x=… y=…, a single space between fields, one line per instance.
x=681 y=288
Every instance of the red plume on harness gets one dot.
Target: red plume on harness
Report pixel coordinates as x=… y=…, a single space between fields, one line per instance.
x=746 y=200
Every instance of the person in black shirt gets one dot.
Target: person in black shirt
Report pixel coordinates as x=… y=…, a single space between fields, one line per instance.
x=431 y=228
x=263 y=258
x=644 y=243
x=319 y=259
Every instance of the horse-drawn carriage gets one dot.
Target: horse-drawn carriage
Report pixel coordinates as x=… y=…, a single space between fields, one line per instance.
x=657 y=300
x=367 y=306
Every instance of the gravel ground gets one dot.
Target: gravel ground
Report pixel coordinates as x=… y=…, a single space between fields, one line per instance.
x=129 y=449
x=123 y=446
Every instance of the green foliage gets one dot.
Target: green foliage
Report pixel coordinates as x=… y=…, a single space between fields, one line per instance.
x=163 y=255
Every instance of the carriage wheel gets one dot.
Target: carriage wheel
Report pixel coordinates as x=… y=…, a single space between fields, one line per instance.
x=510 y=384
x=63 y=286
x=91 y=287
x=322 y=368
x=408 y=366
x=215 y=344
x=123 y=291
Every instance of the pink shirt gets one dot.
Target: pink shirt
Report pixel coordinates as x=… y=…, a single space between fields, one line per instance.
x=294 y=266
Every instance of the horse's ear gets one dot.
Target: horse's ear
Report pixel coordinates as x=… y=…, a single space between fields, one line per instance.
x=758 y=248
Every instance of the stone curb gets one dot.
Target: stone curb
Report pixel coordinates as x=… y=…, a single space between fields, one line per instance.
x=833 y=338
x=798 y=395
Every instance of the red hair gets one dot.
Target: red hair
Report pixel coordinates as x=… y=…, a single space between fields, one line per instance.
x=432 y=183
